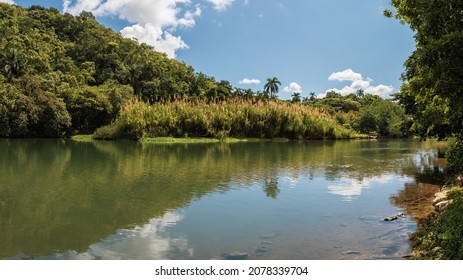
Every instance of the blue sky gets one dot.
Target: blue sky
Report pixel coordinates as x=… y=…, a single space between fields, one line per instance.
x=309 y=45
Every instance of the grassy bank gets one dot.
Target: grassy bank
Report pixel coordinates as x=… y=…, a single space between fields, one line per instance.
x=227 y=119
x=440 y=236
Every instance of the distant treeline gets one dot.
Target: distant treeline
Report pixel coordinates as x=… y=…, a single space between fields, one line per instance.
x=62 y=75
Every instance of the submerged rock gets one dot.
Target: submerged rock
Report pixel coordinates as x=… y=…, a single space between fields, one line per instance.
x=351 y=252
x=391 y=218
x=261 y=250
x=236 y=256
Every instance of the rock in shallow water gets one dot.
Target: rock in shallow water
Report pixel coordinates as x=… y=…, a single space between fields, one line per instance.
x=236 y=256
x=351 y=252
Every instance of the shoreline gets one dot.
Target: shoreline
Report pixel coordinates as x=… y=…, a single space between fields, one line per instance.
x=194 y=140
x=437 y=236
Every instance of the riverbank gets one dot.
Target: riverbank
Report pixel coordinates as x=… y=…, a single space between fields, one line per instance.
x=188 y=140
x=440 y=235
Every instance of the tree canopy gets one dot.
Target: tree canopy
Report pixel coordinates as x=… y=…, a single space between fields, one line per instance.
x=272 y=87
x=432 y=91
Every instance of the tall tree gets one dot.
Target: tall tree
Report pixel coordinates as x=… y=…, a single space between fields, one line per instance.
x=432 y=91
x=272 y=87
x=312 y=95
x=296 y=97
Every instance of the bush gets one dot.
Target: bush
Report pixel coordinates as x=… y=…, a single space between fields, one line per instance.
x=454 y=157
x=232 y=118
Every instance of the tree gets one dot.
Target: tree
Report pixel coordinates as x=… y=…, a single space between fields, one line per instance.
x=271 y=87
x=296 y=97
x=383 y=116
x=360 y=93
x=432 y=90
x=312 y=95
x=333 y=94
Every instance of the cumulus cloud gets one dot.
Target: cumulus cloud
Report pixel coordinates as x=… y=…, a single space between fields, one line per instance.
x=7 y=1
x=346 y=75
x=221 y=5
x=293 y=87
x=153 y=21
x=358 y=82
x=247 y=81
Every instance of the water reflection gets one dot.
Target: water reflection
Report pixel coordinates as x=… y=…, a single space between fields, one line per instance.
x=349 y=188
x=126 y=200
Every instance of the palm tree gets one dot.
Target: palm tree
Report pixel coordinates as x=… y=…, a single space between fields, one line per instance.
x=296 y=97
x=312 y=95
x=271 y=87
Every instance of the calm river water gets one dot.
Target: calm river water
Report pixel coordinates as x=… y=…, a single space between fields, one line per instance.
x=61 y=199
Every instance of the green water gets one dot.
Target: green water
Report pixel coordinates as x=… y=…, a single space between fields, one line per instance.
x=61 y=199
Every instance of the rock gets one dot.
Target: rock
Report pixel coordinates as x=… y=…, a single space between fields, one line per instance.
x=460 y=181
x=391 y=218
x=262 y=250
x=237 y=256
x=351 y=252
x=439 y=197
x=401 y=215
x=442 y=205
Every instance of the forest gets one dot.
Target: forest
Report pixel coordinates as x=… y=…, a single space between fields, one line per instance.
x=62 y=75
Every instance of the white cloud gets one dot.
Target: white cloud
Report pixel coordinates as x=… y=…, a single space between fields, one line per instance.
x=221 y=5
x=153 y=21
x=346 y=75
x=247 y=81
x=381 y=90
x=293 y=87
x=358 y=82
x=7 y=1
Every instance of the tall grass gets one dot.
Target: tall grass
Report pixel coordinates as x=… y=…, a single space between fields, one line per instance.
x=221 y=119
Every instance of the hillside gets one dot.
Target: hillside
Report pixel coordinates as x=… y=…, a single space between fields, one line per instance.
x=62 y=74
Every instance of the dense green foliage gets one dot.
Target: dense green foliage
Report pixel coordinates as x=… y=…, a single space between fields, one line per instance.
x=433 y=81
x=232 y=118
x=367 y=114
x=441 y=236
x=61 y=74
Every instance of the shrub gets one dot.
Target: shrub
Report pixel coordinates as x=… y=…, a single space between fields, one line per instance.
x=231 y=118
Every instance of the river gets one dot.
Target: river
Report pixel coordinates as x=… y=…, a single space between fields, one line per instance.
x=318 y=200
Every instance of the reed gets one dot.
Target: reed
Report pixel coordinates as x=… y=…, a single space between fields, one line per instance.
x=222 y=119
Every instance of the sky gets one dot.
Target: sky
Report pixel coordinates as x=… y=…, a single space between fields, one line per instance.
x=309 y=45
